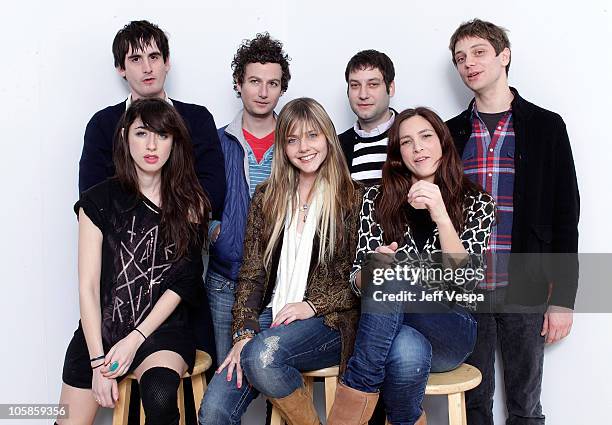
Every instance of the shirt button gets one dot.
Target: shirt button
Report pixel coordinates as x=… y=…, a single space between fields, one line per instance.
x=499 y=127
x=490 y=174
x=491 y=150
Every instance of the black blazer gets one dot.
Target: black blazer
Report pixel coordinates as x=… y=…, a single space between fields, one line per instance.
x=546 y=204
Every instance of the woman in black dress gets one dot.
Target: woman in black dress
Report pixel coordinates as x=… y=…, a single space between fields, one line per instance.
x=140 y=239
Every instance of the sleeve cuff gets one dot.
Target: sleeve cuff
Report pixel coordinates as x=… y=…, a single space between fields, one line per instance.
x=212 y=225
x=353 y=281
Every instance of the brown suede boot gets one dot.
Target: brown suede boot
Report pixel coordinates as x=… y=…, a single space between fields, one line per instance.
x=352 y=407
x=297 y=408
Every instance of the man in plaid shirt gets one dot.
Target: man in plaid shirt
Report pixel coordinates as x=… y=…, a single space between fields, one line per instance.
x=520 y=154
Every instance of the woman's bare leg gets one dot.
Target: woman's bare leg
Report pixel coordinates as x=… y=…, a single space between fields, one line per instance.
x=164 y=358
x=82 y=406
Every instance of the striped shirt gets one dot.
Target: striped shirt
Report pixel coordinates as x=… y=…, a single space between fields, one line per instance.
x=259 y=145
x=369 y=151
x=369 y=158
x=259 y=171
x=489 y=161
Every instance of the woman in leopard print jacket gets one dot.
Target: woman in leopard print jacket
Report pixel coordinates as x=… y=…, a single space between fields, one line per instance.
x=424 y=208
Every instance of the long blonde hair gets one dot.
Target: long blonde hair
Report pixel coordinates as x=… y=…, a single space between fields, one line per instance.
x=333 y=179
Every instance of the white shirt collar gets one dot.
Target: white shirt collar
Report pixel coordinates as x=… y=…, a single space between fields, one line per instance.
x=380 y=129
x=128 y=101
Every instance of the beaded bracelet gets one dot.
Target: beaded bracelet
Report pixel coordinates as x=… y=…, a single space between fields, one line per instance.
x=242 y=334
x=240 y=338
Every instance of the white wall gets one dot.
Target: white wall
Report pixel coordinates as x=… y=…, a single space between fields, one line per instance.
x=57 y=70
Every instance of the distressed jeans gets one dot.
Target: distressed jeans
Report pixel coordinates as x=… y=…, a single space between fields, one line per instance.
x=395 y=352
x=272 y=363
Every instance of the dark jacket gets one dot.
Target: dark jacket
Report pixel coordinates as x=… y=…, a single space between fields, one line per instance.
x=226 y=251
x=96 y=163
x=546 y=205
x=328 y=287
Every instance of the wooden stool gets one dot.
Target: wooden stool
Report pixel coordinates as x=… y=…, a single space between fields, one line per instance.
x=330 y=375
x=198 y=383
x=454 y=384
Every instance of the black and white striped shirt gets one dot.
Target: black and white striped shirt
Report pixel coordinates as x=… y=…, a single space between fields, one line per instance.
x=365 y=153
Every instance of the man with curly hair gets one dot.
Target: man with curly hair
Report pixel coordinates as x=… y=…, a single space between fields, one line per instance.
x=261 y=76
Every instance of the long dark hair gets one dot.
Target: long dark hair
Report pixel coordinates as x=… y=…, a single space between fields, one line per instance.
x=392 y=205
x=183 y=201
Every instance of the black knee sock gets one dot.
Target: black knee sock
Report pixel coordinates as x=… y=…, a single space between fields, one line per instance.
x=158 y=387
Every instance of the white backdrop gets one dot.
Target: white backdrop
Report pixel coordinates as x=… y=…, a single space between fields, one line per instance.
x=57 y=70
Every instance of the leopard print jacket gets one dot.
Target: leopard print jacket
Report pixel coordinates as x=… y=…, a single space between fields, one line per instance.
x=328 y=287
x=479 y=213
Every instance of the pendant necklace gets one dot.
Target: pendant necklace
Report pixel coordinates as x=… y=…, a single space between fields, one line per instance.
x=304 y=209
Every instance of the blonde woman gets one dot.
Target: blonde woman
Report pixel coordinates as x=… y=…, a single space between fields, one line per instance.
x=294 y=308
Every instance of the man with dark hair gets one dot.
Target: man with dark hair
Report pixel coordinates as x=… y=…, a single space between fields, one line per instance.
x=370 y=77
x=142 y=58
x=520 y=153
x=261 y=76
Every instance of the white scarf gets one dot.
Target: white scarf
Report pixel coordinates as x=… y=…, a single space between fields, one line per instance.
x=294 y=263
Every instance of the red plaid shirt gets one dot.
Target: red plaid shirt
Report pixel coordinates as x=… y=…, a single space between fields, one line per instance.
x=489 y=161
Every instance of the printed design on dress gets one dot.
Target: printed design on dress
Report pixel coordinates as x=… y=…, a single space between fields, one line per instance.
x=142 y=268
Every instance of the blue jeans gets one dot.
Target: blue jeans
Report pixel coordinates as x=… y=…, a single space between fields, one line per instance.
x=395 y=352
x=272 y=363
x=220 y=292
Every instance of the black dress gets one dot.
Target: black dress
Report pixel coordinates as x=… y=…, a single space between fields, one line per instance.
x=137 y=268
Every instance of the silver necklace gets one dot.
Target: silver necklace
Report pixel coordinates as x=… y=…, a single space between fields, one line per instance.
x=304 y=209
